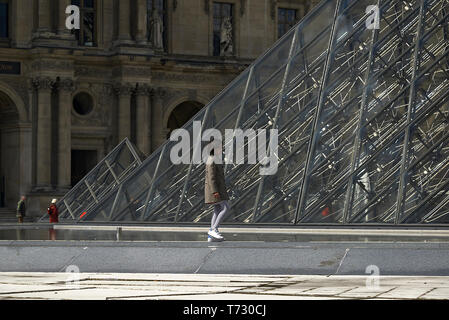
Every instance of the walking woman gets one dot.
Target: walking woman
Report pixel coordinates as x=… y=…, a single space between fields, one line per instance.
x=215 y=193
x=53 y=211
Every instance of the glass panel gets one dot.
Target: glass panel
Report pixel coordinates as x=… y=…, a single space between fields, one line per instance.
x=168 y=185
x=380 y=209
x=99 y=214
x=429 y=171
x=274 y=60
x=280 y=193
x=286 y=20
x=318 y=20
x=242 y=202
x=329 y=209
x=375 y=181
x=228 y=102
x=104 y=177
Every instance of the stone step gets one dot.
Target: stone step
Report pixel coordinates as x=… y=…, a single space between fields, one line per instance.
x=7 y=211
x=9 y=215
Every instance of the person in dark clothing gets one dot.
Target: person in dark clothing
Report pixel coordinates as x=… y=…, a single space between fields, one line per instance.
x=21 y=209
x=53 y=212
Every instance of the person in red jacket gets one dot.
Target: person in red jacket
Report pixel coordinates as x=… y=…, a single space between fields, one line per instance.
x=53 y=211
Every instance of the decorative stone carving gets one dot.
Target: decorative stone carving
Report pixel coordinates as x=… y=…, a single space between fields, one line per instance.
x=43 y=83
x=175 y=4
x=66 y=84
x=125 y=89
x=108 y=89
x=226 y=42
x=143 y=90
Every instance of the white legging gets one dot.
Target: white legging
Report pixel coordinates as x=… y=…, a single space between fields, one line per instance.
x=220 y=211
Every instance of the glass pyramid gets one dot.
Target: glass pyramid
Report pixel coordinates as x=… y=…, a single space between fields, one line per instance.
x=103 y=178
x=363 y=127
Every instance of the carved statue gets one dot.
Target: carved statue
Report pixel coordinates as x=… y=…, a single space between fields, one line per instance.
x=157 y=30
x=226 y=45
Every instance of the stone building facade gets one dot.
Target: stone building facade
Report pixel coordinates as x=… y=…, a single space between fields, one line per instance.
x=136 y=69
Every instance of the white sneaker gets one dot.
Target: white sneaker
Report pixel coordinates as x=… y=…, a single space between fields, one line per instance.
x=218 y=232
x=210 y=239
x=215 y=235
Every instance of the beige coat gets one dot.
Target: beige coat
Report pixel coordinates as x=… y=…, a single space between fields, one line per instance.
x=214 y=182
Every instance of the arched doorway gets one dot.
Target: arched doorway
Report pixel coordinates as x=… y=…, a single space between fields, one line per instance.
x=181 y=114
x=9 y=152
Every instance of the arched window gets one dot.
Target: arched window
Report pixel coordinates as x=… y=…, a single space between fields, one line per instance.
x=181 y=114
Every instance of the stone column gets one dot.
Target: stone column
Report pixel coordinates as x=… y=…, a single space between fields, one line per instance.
x=159 y=128
x=23 y=26
x=143 y=121
x=43 y=157
x=25 y=160
x=124 y=93
x=141 y=34
x=124 y=32
x=32 y=116
x=44 y=22
x=64 y=133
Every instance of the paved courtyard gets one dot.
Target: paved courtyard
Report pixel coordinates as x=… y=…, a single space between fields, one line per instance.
x=100 y=286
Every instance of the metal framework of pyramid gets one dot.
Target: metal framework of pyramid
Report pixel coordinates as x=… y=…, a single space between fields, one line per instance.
x=363 y=121
x=103 y=178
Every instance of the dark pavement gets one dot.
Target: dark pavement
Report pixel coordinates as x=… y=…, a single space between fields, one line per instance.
x=231 y=257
